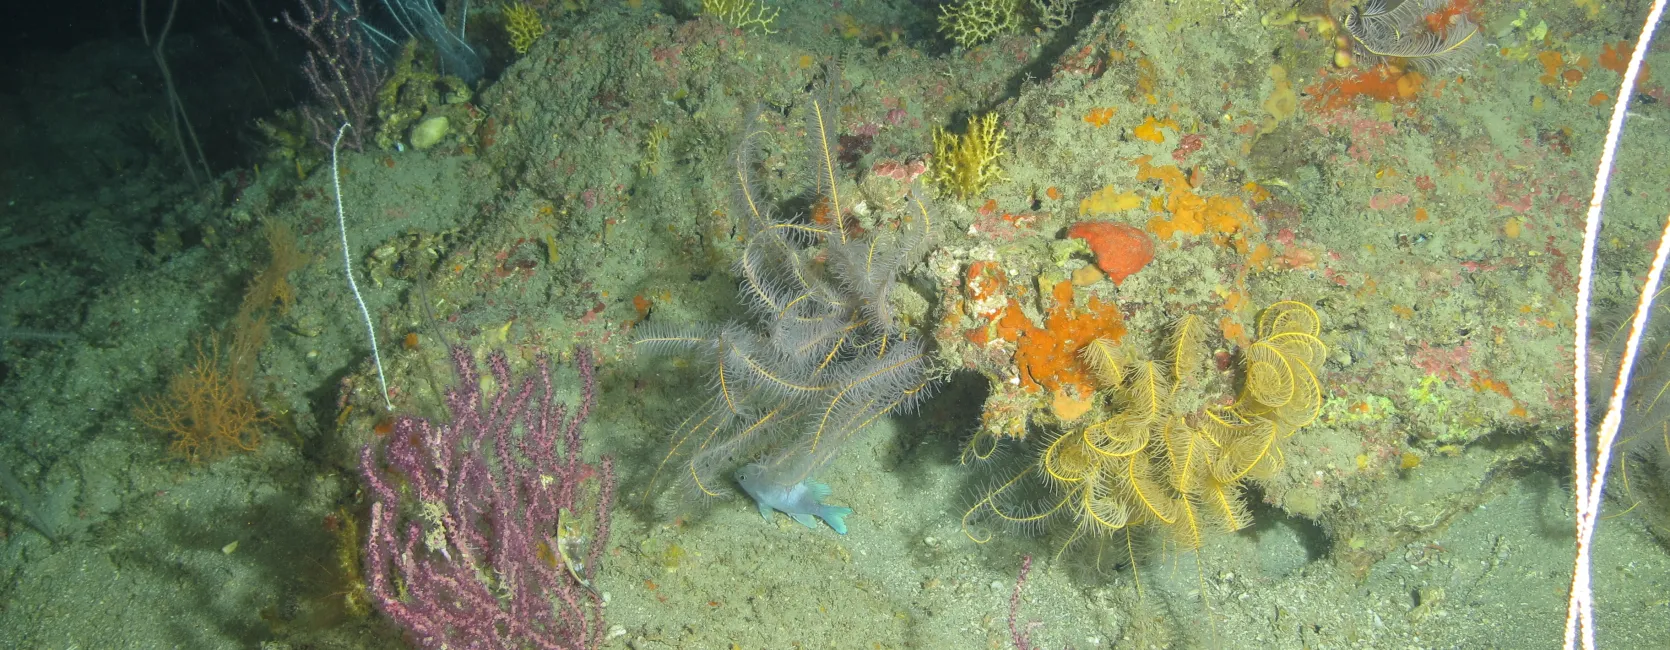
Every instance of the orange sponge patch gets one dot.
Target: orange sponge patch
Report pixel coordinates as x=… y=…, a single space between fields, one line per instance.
x=1382 y=83
x=1108 y=201
x=1100 y=116
x=984 y=287
x=1048 y=356
x=1150 y=129
x=1120 y=250
x=1190 y=213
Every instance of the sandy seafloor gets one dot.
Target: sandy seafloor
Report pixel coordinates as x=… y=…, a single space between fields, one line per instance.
x=1453 y=327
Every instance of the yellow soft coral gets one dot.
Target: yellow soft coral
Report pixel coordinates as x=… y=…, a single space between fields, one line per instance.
x=523 y=25
x=742 y=14
x=972 y=22
x=964 y=166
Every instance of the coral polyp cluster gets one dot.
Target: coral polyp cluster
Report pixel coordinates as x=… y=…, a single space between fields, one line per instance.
x=1159 y=455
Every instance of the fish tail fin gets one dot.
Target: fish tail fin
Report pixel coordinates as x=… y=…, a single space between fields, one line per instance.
x=835 y=516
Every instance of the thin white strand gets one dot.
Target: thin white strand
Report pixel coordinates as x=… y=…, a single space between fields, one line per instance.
x=1588 y=482
x=348 y=268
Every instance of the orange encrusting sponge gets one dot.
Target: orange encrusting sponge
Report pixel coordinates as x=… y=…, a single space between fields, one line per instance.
x=1048 y=356
x=1120 y=250
x=1382 y=83
x=1192 y=214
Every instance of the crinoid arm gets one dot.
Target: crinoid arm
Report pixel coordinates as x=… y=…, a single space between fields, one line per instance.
x=1281 y=367
x=821 y=357
x=1189 y=456
x=1250 y=452
x=868 y=267
x=1185 y=348
x=1162 y=457
x=1269 y=379
x=1156 y=499
x=1116 y=437
x=1227 y=505
x=1289 y=316
x=1398 y=29
x=661 y=339
x=823 y=138
x=1107 y=362
x=691 y=439
x=750 y=369
x=775 y=270
x=867 y=389
x=1013 y=503
x=1065 y=461
x=1102 y=509
x=1146 y=398
x=918 y=223
x=715 y=440
x=746 y=199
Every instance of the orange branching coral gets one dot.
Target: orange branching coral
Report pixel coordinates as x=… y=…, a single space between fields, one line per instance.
x=1190 y=213
x=207 y=410
x=271 y=286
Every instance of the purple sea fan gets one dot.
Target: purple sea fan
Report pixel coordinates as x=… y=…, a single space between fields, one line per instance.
x=467 y=552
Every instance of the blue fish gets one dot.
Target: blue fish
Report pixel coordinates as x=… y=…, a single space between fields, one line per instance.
x=800 y=501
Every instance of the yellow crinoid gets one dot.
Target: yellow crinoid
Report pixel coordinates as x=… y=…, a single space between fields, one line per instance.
x=1159 y=455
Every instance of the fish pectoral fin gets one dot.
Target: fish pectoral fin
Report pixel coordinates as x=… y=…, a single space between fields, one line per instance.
x=805 y=520
x=765 y=510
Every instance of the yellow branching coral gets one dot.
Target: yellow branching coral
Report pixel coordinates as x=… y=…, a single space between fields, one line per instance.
x=742 y=14
x=972 y=22
x=965 y=165
x=653 y=143
x=1160 y=458
x=523 y=25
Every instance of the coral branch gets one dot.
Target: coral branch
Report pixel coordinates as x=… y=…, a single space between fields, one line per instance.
x=1020 y=635
x=468 y=552
x=208 y=409
x=342 y=70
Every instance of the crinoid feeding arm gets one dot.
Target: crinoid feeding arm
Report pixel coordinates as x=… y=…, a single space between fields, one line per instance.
x=822 y=354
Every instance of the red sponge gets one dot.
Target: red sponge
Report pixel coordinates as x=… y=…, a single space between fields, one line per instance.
x=1120 y=249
